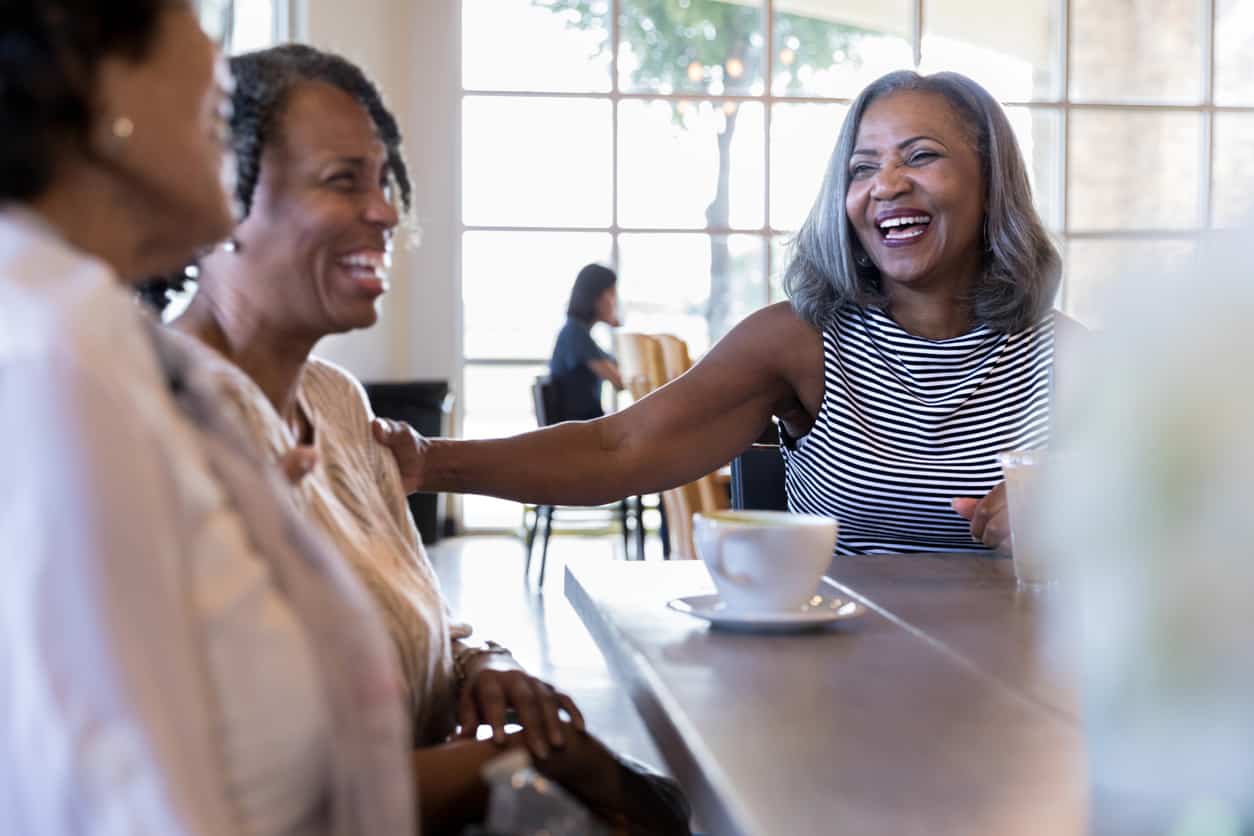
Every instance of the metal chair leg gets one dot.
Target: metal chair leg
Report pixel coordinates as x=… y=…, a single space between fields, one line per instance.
x=531 y=537
x=665 y=532
x=640 y=532
x=622 y=520
x=544 y=545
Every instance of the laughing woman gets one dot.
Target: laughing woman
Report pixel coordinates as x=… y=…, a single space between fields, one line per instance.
x=918 y=343
x=322 y=185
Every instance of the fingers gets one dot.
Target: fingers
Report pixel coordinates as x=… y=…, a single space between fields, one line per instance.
x=572 y=711
x=379 y=428
x=387 y=432
x=537 y=712
x=468 y=714
x=491 y=699
x=965 y=506
x=550 y=711
x=990 y=524
x=298 y=463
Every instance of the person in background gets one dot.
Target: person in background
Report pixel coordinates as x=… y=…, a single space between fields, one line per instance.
x=579 y=365
x=323 y=184
x=918 y=343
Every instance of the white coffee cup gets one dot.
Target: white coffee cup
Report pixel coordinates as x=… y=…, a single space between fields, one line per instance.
x=764 y=561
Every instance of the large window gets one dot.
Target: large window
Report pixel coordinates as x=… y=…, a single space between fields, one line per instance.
x=682 y=141
x=245 y=25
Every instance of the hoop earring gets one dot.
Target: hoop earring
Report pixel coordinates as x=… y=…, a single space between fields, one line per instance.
x=862 y=260
x=230 y=245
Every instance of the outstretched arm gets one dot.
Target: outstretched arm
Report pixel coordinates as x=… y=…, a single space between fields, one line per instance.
x=682 y=431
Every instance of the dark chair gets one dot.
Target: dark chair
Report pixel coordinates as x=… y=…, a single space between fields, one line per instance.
x=757 y=479
x=545 y=398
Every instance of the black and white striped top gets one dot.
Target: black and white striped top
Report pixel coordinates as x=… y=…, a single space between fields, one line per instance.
x=907 y=424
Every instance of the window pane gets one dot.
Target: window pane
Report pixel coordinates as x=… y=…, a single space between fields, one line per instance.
x=497 y=401
x=666 y=288
x=669 y=164
x=779 y=263
x=1137 y=50
x=252 y=26
x=1234 y=52
x=802 y=140
x=543 y=45
x=1037 y=130
x=515 y=286
x=1234 y=168
x=697 y=47
x=1013 y=49
x=835 y=47
x=1134 y=170
x=1093 y=268
x=535 y=162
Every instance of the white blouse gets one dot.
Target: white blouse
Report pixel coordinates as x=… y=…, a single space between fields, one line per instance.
x=152 y=678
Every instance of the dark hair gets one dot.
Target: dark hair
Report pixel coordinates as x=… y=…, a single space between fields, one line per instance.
x=49 y=51
x=264 y=81
x=592 y=281
x=1021 y=268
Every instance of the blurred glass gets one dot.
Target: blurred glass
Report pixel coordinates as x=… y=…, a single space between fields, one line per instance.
x=1134 y=170
x=535 y=161
x=515 y=286
x=1092 y=267
x=1234 y=52
x=669 y=164
x=1038 y=131
x=834 y=48
x=682 y=46
x=1012 y=49
x=1137 y=50
x=541 y=45
x=1233 y=184
x=802 y=139
x=665 y=285
x=497 y=402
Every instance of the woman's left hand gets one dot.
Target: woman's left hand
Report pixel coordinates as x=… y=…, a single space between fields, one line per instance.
x=990 y=518
x=492 y=688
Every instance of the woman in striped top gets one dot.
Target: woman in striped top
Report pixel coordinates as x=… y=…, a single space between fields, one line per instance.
x=918 y=343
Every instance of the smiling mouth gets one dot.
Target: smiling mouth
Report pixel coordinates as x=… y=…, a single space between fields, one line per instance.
x=367 y=268
x=903 y=228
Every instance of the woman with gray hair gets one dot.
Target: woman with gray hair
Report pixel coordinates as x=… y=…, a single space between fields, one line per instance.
x=917 y=344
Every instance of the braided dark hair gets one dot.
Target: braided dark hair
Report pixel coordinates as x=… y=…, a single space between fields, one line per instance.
x=49 y=51
x=263 y=82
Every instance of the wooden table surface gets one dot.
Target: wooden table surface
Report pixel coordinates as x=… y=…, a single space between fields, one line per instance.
x=935 y=713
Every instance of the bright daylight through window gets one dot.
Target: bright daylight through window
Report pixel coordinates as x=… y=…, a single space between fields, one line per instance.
x=681 y=141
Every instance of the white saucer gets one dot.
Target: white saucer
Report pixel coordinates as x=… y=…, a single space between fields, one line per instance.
x=820 y=611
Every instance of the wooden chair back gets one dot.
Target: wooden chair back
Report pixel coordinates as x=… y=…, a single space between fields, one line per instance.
x=709 y=493
x=640 y=363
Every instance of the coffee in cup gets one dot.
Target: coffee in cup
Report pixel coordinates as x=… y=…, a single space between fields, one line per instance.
x=764 y=561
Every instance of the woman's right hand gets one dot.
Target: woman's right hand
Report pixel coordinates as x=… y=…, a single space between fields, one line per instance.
x=611 y=790
x=407 y=446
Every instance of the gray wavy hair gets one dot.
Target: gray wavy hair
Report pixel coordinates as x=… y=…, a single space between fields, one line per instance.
x=1021 y=266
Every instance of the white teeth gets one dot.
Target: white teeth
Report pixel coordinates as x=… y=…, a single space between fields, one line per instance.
x=904 y=234
x=374 y=262
x=903 y=220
